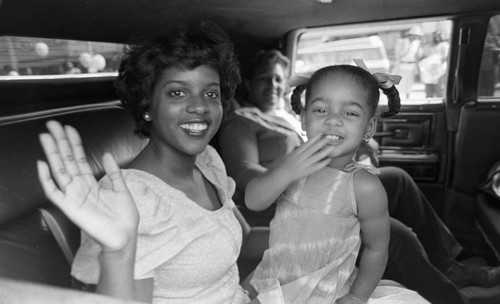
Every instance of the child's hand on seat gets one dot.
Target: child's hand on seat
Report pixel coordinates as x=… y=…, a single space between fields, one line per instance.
x=108 y=215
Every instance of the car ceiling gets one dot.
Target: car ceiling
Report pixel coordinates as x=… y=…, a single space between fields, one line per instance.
x=244 y=20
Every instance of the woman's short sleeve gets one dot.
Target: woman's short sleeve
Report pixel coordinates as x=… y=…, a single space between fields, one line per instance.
x=213 y=167
x=154 y=231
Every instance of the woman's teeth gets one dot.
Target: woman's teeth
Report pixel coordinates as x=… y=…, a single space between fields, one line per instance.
x=195 y=127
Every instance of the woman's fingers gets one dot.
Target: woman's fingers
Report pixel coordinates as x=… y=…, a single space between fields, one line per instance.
x=114 y=173
x=63 y=144
x=79 y=154
x=49 y=187
x=55 y=161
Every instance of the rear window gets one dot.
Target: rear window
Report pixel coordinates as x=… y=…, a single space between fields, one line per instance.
x=23 y=57
x=489 y=75
x=418 y=51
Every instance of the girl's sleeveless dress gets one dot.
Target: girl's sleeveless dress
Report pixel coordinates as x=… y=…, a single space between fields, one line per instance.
x=314 y=243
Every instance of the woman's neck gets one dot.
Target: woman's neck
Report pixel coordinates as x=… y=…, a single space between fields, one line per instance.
x=167 y=164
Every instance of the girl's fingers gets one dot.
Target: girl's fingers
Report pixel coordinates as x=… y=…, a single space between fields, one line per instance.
x=79 y=154
x=49 y=187
x=114 y=173
x=65 y=150
x=312 y=146
x=56 y=164
x=322 y=154
x=321 y=164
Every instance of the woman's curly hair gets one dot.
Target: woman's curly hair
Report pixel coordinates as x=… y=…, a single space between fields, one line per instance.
x=366 y=79
x=187 y=48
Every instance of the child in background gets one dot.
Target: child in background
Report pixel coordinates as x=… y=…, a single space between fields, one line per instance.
x=328 y=204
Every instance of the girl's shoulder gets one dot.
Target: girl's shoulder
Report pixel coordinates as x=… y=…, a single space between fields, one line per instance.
x=365 y=178
x=368 y=189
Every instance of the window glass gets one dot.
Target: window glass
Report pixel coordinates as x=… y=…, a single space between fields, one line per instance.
x=417 y=51
x=489 y=75
x=26 y=57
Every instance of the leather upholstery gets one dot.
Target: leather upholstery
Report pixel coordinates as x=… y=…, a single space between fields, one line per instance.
x=28 y=249
x=477 y=148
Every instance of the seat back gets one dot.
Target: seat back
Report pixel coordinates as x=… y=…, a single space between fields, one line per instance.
x=28 y=221
x=477 y=148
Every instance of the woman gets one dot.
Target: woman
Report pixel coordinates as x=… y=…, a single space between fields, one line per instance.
x=165 y=229
x=258 y=135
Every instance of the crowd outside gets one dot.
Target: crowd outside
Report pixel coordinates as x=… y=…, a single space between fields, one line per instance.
x=432 y=57
x=405 y=52
x=489 y=75
x=8 y=70
x=70 y=68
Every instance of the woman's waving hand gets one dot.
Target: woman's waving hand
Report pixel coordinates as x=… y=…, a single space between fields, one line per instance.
x=107 y=215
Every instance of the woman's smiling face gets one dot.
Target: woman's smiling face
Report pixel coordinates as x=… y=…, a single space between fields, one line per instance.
x=338 y=109
x=267 y=86
x=186 y=109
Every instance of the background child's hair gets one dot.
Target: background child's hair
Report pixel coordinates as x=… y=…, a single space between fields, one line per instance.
x=363 y=77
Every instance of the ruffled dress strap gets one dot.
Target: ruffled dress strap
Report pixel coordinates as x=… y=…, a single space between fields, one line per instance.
x=354 y=166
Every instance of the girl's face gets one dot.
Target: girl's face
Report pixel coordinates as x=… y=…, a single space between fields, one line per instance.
x=186 y=109
x=338 y=109
x=267 y=87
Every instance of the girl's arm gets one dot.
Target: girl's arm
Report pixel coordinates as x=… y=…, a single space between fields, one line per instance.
x=374 y=219
x=307 y=159
x=239 y=149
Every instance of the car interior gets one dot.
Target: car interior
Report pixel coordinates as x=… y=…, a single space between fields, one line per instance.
x=447 y=143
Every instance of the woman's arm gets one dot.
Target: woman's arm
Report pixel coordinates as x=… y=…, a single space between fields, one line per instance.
x=109 y=216
x=239 y=149
x=117 y=276
x=374 y=219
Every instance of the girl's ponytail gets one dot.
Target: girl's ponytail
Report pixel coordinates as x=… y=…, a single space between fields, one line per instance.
x=295 y=99
x=394 y=101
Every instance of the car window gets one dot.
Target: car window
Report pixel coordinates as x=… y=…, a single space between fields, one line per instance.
x=23 y=57
x=418 y=51
x=489 y=75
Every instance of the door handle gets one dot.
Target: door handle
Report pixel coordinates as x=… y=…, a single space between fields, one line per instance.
x=396 y=133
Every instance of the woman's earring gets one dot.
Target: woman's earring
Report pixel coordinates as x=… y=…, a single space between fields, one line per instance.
x=366 y=138
x=146 y=116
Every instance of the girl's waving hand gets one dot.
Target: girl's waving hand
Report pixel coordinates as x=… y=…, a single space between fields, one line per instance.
x=307 y=159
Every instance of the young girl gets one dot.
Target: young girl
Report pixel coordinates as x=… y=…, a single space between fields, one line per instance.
x=328 y=204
